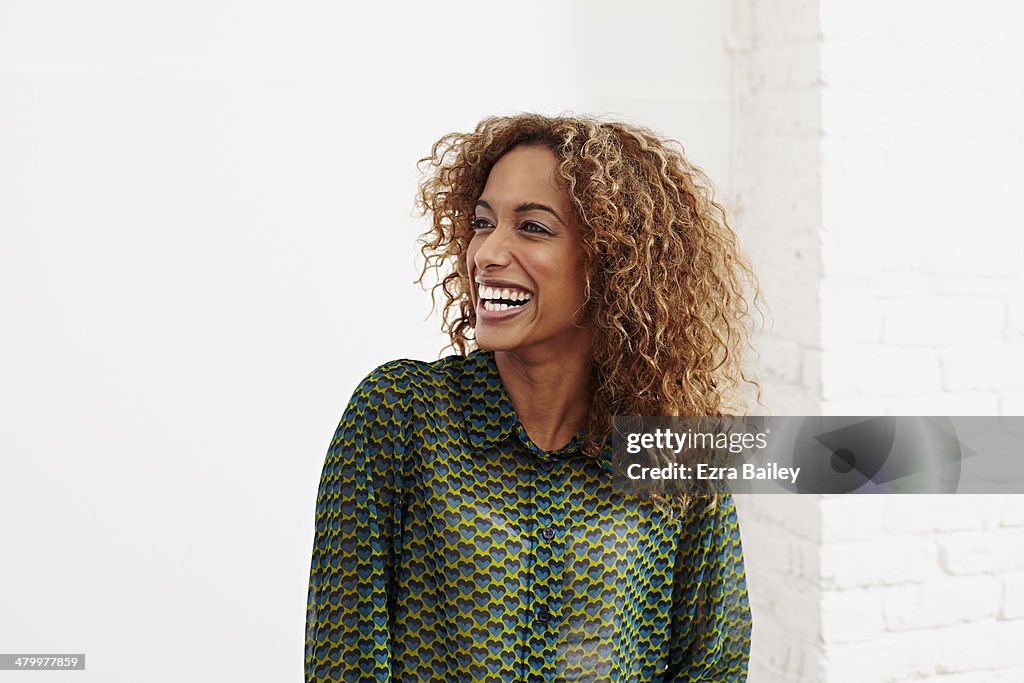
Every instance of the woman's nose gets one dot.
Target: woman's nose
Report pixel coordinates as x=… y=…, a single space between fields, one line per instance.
x=494 y=249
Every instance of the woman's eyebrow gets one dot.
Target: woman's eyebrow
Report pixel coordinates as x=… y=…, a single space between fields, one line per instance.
x=534 y=206
x=524 y=207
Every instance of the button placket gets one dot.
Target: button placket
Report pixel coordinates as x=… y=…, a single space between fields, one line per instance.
x=548 y=556
x=553 y=537
x=548 y=560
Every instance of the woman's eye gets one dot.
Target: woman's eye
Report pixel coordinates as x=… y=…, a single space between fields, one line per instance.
x=480 y=224
x=537 y=228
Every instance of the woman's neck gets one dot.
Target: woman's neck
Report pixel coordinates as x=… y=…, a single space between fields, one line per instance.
x=550 y=392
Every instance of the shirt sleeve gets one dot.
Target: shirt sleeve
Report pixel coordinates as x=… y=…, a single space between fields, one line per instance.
x=358 y=505
x=711 y=623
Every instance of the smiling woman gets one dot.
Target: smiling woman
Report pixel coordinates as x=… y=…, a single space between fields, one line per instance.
x=467 y=526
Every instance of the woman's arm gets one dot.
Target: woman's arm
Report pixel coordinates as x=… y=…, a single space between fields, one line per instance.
x=355 y=543
x=711 y=623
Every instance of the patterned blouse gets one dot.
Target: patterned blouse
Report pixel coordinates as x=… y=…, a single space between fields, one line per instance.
x=449 y=547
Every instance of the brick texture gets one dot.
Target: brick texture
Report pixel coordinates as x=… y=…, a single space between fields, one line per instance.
x=876 y=152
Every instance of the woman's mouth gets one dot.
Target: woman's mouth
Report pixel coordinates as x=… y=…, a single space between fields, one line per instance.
x=498 y=299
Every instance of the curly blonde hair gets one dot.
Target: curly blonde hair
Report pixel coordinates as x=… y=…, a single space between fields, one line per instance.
x=667 y=287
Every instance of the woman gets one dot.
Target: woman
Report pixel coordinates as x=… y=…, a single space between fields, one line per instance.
x=467 y=528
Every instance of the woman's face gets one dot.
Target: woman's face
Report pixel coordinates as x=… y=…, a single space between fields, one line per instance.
x=524 y=258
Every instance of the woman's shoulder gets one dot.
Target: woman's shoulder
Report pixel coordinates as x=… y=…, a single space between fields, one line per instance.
x=416 y=378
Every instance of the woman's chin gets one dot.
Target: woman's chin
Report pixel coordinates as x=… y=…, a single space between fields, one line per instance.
x=496 y=341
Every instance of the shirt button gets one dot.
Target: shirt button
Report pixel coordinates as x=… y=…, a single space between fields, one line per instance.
x=547 y=533
x=544 y=614
x=547 y=465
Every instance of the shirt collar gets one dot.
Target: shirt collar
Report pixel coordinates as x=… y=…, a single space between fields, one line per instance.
x=486 y=407
x=490 y=417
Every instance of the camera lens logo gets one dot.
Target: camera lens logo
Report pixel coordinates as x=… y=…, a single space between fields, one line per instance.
x=877 y=455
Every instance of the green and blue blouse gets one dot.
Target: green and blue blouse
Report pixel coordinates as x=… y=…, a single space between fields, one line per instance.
x=449 y=547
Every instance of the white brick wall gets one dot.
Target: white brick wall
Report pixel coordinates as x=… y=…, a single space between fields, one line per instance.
x=781 y=539
x=919 y=157
x=875 y=174
x=776 y=188
x=776 y=206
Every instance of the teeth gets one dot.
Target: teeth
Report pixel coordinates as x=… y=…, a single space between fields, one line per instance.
x=491 y=306
x=506 y=293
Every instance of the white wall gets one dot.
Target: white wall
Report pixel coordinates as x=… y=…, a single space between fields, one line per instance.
x=921 y=249
x=881 y=140
x=777 y=188
x=205 y=241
